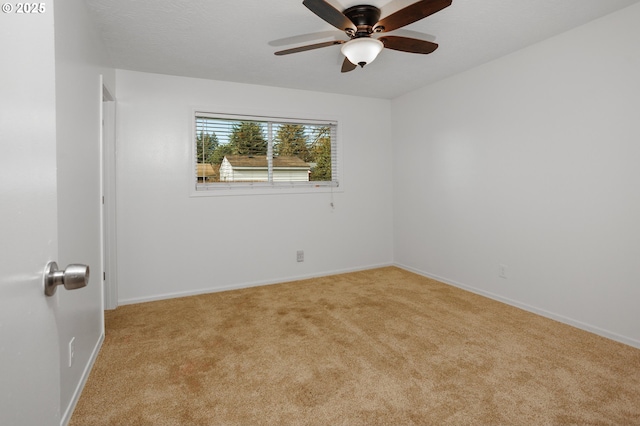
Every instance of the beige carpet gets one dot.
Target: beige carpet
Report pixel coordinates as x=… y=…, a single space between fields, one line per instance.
x=379 y=347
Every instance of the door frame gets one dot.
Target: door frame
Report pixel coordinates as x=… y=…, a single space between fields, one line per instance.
x=108 y=184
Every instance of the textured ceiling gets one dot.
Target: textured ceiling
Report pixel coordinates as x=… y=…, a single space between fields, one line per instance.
x=234 y=40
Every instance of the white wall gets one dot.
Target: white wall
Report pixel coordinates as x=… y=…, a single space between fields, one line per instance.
x=531 y=161
x=172 y=244
x=80 y=60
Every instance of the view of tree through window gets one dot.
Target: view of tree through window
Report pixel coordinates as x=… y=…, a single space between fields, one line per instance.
x=248 y=150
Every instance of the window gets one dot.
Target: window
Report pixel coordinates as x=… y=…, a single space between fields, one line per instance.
x=233 y=151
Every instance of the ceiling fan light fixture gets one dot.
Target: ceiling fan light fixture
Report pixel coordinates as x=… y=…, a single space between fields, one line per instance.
x=362 y=51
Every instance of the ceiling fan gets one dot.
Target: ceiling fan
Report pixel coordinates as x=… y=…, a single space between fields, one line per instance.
x=360 y=22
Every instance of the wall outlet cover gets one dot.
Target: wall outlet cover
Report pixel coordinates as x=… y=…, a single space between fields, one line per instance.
x=502 y=271
x=72 y=350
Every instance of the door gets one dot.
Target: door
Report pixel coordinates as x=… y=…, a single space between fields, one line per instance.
x=29 y=349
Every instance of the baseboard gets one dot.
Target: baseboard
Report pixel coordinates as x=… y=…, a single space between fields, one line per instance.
x=85 y=375
x=174 y=295
x=542 y=312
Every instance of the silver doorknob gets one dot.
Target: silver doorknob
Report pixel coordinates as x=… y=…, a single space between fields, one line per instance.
x=73 y=277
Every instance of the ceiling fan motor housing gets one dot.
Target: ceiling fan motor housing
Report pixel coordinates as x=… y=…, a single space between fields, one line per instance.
x=364 y=18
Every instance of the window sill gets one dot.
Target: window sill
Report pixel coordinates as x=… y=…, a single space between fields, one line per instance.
x=258 y=188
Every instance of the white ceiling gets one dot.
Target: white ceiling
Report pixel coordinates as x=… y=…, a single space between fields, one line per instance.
x=234 y=40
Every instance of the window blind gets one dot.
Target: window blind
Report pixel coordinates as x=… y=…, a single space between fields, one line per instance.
x=232 y=151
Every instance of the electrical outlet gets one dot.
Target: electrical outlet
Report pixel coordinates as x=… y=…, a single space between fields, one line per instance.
x=502 y=271
x=300 y=255
x=72 y=350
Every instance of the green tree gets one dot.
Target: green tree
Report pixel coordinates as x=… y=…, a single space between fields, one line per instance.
x=321 y=149
x=248 y=138
x=220 y=152
x=291 y=140
x=206 y=146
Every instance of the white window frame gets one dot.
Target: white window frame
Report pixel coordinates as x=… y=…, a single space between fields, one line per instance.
x=263 y=188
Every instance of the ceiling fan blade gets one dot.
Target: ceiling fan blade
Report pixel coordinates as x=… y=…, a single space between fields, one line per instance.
x=311 y=37
x=406 y=44
x=412 y=13
x=347 y=66
x=330 y=14
x=309 y=47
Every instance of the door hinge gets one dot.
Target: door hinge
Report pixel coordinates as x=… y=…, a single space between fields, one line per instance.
x=104 y=276
x=103 y=199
